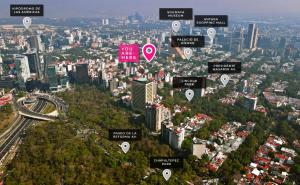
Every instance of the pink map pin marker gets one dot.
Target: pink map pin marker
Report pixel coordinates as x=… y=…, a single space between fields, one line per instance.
x=149 y=51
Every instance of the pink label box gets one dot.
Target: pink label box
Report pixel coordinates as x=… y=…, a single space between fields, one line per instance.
x=129 y=53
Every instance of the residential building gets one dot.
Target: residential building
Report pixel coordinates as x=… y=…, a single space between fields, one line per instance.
x=172 y=135
x=155 y=114
x=142 y=93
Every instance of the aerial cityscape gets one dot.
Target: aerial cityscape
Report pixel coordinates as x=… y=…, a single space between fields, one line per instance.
x=166 y=94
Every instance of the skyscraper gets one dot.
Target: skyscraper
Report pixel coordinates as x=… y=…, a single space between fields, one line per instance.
x=105 y=22
x=22 y=69
x=142 y=93
x=201 y=91
x=255 y=38
x=237 y=41
x=81 y=75
x=34 y=63
x=282 y=43
x=187 y=28
x=36 y=42
x=252 y=37
x=52 y=77
x=155 y=115
x=1 y=67
x=250 y=102
x=163 y=37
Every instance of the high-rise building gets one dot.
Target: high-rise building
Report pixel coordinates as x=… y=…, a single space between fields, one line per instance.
x=165 y=128
x=255 y=38
x=252 y=37
x=142 y=93
x=155 y=115
x=82 y=75
x=1 y=67
x=282 y=43
x=43 y=65
x=52 y=78
x=177 y=137
x=113 y=84
x=172 y=135
x=224 y=40
x=36 y=42
x=237 y=41
x=64 y=81
x=250 y=102
x=105 y=22
x=2 y=43
x=7 y=82
x=103 y=75
x=163 y=37
x=22 y=69
x=47 y=40
x=34 y=63
x=245 y=86
x=187 y=28
x=201 y=91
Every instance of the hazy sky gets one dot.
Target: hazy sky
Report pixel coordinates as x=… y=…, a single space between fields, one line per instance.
x=96 y=8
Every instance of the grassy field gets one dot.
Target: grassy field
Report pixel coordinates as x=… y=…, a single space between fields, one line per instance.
x=50 y=107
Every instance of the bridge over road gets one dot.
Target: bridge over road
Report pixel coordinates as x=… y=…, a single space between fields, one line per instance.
x=24 y=111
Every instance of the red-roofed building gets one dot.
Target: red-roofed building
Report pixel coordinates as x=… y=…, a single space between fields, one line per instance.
x=5 y=99
x=281 y=158
x=249 y=176
x=11 y=66
x=242 y=134
x=212 y=167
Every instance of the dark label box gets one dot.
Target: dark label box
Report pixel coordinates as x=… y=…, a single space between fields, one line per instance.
x=224 y=67
x=187 y=41
x=211 y=21
x=125 y=134
x=166 y=162
x=176 y=14
x=26 y=10
x=189 y=82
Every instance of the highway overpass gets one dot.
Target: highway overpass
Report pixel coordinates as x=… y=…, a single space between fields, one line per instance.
x=24 y=111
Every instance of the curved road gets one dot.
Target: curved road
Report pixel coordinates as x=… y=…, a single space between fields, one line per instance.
x=12 y=136
x=24 y=111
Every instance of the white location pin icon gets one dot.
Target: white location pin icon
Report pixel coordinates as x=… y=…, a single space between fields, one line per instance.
x=188 y=53
x=211 y=32
x=125 y=146
x=189 y=94
x=167 y=174
x=27 y=22
x=225 y=79
x=176 y=26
